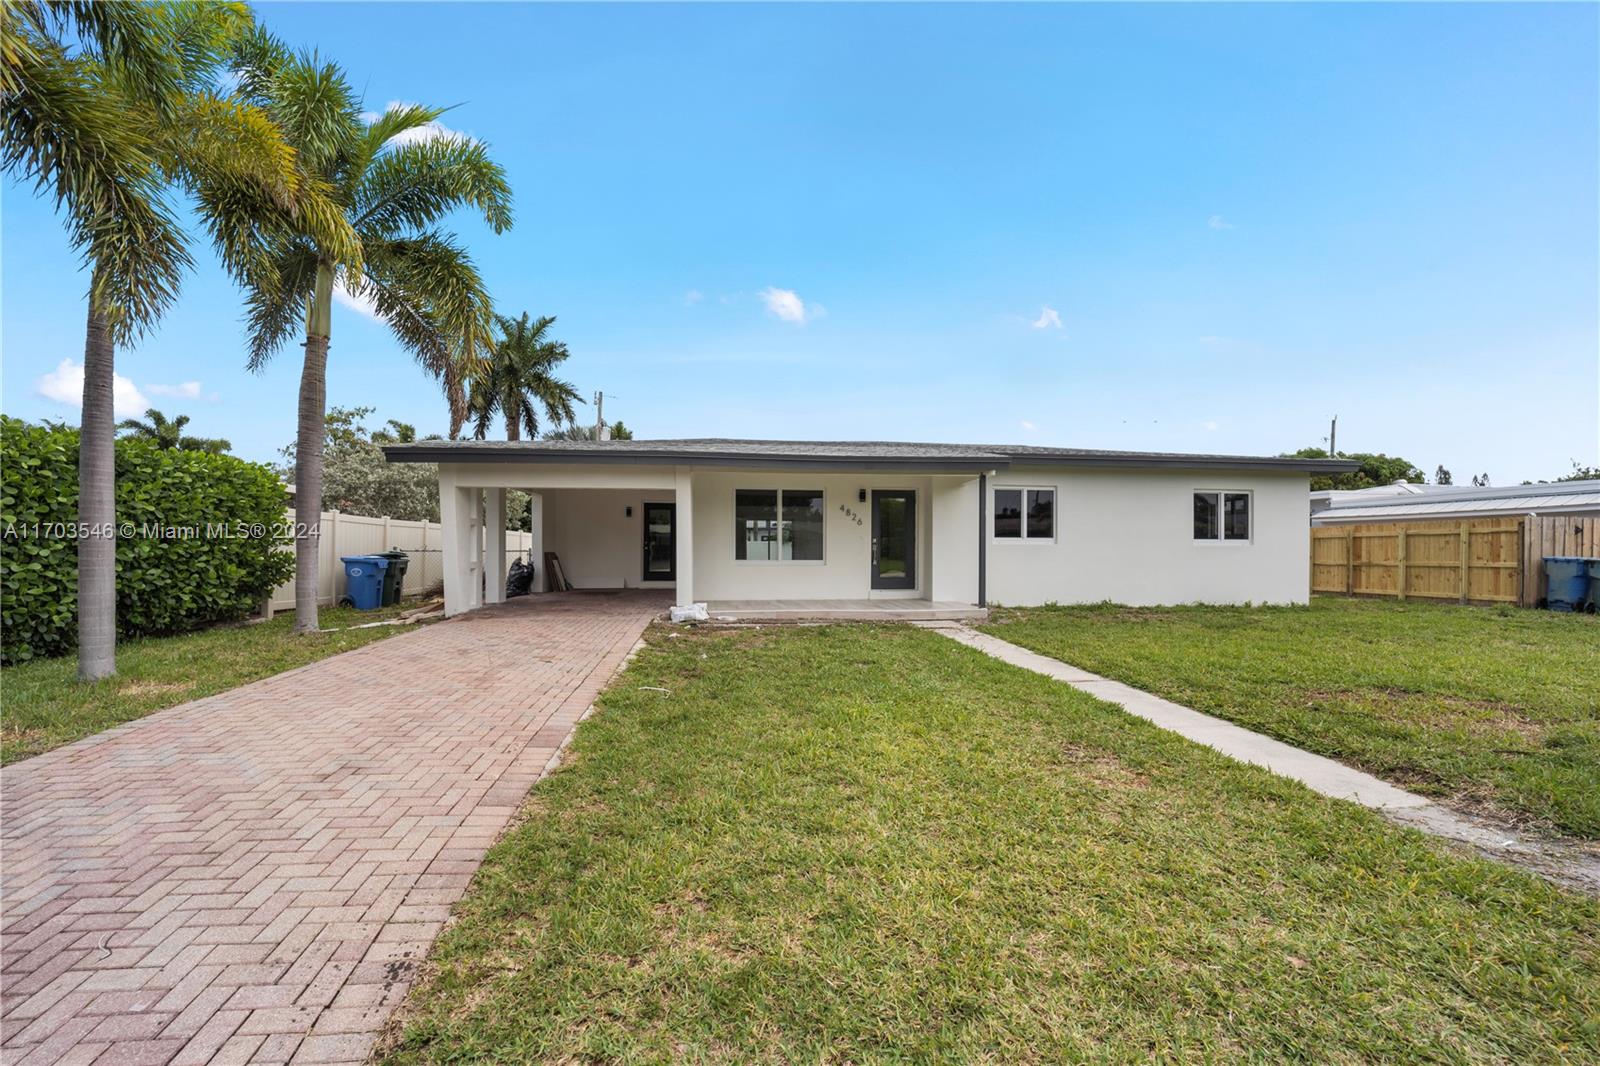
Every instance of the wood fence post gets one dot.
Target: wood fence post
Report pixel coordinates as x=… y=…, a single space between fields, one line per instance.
x=1466 y=555
x=1349 y=561
x=1402 y=560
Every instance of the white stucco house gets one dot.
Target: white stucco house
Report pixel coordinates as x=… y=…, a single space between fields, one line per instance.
x=809 y=522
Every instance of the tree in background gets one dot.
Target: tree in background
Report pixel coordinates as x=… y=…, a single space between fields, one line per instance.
x=167 y=434
x=618 y=432
x=1579 y=473
x=1480 y=481
x=357 y=479
x=396 y=432
x=103 y=106
x=1441 y=476
x=1375 y=469
x=518 y=380
x=394 y=185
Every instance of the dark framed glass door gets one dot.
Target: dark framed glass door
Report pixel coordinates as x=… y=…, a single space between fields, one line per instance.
x=894 y=539
x=660 y=542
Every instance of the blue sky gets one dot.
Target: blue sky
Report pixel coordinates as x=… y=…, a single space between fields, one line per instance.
x=1203 y=228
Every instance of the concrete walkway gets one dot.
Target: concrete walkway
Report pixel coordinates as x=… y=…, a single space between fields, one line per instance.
x=255 y=876
x=1570 y=864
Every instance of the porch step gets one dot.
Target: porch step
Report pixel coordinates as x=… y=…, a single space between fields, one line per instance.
x=844 y=611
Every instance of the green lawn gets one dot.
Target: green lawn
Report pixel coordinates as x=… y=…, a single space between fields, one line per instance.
x=872 y=844
x=46 y=705
x=1492 y=708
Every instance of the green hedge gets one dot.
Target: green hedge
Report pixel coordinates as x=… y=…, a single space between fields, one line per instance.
x=175 y=572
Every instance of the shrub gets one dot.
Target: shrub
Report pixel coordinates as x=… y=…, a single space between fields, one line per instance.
x=177 y=571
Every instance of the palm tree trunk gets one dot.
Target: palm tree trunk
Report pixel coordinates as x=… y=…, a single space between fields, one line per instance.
x=308 y=452
x=455 y=395
x=97 y=506
x=513 y=423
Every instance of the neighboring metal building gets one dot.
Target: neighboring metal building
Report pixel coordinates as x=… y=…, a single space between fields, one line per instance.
x=1404 y=501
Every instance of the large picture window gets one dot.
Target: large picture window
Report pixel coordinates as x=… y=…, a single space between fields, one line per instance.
x=777 y=525
x=1222 y=516
x=1025 y=514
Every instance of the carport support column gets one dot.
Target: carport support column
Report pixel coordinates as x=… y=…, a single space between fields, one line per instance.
x=536 y=542
x=457 y=508
x=494 y=546
x=683 y=541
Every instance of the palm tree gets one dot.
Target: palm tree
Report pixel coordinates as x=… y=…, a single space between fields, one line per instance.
x=102 y=106
x=618 y=431
x=517 y=380
x=393 y=185
x=396 y=432
x=168 y=434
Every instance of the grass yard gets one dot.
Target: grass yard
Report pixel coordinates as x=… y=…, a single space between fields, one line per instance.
x=46 y=705
x=1491 y=708
x=871 y=844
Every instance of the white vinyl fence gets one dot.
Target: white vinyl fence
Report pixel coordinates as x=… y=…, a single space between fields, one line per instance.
x=348 y=534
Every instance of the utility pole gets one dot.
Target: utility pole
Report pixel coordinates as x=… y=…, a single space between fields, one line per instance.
x=1333 y=438
x=599 y=415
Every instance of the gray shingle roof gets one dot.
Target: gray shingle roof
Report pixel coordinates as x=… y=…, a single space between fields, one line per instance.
x=900 y=455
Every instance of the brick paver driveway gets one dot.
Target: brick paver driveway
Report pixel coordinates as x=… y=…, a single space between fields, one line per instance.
x=253 y=877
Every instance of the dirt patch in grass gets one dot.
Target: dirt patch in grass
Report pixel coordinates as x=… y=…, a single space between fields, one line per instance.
x=1103 y=768
x=1480 y=717
x=137 y=689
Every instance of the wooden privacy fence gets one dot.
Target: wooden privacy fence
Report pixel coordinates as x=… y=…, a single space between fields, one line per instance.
x=1555 y=534
x=347 y=534
x=1469 y=560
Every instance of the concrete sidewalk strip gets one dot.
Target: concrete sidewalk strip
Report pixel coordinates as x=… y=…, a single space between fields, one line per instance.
x=1321 y=774
x=255 y=876
x=1572 y=864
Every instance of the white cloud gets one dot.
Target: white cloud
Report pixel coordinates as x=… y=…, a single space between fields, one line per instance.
x=1218 y=222
x=1209 y=426
x=1028 y=427
x=432 y=131
x=787 y=305
x=184 y=390
x=64 y=385
x=692 y=297
x=361 y=305
x=1049 y=318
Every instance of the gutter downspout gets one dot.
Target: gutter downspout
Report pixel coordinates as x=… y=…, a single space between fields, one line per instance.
x=983 y=542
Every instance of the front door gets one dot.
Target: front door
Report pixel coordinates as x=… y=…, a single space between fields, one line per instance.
x=660 y=542
x=894 y=539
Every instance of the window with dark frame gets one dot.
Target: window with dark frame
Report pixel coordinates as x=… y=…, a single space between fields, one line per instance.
x=1024 y=514
x=1222 y=516
x=1007 y=513
x=778 y=525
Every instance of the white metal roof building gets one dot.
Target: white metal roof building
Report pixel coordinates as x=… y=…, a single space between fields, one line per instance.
x=1405 y=501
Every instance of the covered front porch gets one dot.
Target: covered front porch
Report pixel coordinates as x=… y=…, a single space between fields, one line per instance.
x=788 y=538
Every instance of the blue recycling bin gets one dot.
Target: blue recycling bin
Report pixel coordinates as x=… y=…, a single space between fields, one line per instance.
x=1566 y=582
x=363 y=580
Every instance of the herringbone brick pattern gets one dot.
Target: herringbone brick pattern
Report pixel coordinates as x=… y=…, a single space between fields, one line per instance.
x=253 y=877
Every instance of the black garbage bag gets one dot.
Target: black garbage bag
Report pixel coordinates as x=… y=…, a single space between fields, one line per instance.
x=519 y=578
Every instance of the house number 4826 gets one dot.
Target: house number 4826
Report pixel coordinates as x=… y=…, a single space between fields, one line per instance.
x=848 y=513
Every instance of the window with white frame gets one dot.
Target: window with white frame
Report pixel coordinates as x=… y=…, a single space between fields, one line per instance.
x=1223 y=516
x=777 y=525
x=1025 y=514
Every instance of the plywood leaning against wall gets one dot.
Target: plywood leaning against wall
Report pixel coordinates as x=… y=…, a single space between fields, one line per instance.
x=1472 y=560
x=347 y=534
